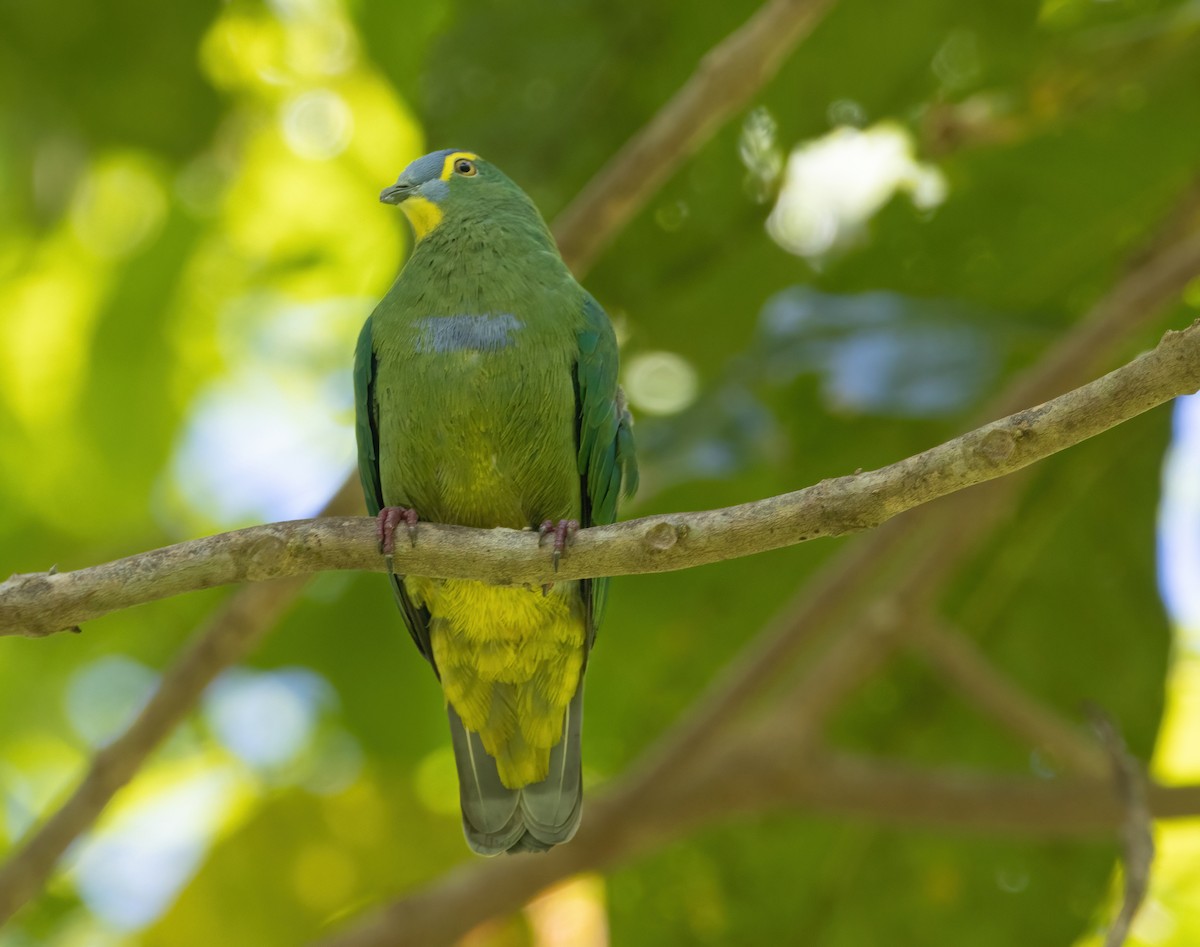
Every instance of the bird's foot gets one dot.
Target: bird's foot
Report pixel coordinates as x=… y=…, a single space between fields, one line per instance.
x=563 y=532
x=389 y=518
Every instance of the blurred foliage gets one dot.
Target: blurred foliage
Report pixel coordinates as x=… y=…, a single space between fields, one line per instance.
x=189 y=239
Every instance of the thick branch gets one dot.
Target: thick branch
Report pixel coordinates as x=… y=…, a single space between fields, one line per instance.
x=39 y=604
x=726 y=79
x=751 y=778
x=751 y=775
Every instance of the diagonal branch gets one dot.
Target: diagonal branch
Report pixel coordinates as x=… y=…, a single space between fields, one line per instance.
x=962 y=664
x=235 y=629
x=230 y=634
x=38 y=604
x=726 y=79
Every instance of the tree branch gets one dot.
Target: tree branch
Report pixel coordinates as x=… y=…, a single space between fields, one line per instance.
x=963 y=665
x=929 y=541
x=231 y=633
x=750 y=777
x=38 y=604
x=1137 y=828
x=942 y=532
x=726 y=79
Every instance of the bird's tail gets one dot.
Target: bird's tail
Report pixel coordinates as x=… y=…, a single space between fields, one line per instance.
x=533 y=818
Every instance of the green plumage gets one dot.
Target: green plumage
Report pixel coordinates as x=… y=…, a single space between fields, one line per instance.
x=486 y=391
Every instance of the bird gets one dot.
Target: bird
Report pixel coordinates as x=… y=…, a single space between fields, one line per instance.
x=486 y=395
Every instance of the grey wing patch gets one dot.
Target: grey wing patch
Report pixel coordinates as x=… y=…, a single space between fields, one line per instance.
x=486 y=333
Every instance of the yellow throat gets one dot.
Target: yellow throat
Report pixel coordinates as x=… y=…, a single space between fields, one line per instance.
x=423 y=214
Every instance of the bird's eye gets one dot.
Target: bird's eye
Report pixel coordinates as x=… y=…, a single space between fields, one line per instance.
x=464 y=167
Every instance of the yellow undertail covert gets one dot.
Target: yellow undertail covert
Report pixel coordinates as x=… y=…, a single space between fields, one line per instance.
x=510 y=660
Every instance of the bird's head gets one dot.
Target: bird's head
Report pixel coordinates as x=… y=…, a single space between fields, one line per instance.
x=435 y=184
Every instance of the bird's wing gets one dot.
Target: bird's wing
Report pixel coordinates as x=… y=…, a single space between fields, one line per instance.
x=366 y=422
x=366 y=430
x=605 y=437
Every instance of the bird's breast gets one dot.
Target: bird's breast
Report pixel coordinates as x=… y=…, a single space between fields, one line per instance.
x=477 y=423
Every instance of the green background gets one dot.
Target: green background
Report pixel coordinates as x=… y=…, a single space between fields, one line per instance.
x=189 y=240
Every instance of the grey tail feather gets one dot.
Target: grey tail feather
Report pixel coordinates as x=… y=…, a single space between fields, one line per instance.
x=534 y=818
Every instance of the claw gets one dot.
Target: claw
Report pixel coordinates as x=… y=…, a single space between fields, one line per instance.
x=563 y=532
x=389 y=518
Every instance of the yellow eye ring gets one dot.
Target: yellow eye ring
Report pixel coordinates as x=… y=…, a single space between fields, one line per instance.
x=465 y=167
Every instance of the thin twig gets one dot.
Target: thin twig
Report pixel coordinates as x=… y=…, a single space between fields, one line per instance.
x=1137 y=825
x=963 y=665
x=40 y=603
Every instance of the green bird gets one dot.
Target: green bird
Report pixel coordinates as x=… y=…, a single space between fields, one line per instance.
x=486 y=395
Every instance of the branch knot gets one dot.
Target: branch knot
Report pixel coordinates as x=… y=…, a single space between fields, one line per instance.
x=997 y=446
x=663 y=535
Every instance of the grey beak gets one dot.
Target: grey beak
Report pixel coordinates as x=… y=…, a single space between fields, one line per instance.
x=395 y=194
